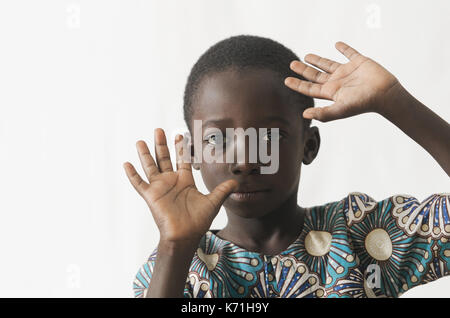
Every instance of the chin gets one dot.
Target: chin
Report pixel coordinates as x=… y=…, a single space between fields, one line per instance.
x=247 y=210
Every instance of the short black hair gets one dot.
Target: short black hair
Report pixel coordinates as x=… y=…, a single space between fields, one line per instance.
x=240 y=52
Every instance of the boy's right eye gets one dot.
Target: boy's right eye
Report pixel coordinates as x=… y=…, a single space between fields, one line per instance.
x=214 y=139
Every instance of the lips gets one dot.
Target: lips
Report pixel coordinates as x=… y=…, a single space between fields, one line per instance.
x=249 y=189
x=248 y=193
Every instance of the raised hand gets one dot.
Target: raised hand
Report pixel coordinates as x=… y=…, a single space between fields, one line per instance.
x=180 y=211
x=359 y=86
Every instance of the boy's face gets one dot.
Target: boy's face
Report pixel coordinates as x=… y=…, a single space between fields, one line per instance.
x=253 y=98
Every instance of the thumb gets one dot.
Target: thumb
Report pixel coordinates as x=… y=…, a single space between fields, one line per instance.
x=222 y=191
x=324 y=114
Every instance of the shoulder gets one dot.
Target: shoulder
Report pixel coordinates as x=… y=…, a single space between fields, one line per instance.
x=427 y=217
x=349 y=209
x=359 y=212
x=407 y=235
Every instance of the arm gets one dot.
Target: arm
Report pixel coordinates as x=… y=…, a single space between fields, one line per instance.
x=412 y=244
x=420 y=123
x=171 y=269
x=362 y=85
x=182 y=213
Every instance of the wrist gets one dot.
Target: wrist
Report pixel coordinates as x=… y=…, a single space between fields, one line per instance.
x=392 y=98
x=174 y=247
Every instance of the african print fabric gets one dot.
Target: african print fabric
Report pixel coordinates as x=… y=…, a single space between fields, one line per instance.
x=355 y=247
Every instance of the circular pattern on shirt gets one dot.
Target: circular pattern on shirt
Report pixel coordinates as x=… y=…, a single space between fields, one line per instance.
x=378 y=244
x=226 y=274
x=318 y=243
x=301 y=269
x=200 y=287
x=379 y=241
x=324 y=245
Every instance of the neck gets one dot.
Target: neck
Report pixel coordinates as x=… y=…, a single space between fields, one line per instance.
x=275 y=231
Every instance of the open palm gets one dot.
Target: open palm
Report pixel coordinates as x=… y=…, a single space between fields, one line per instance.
x=359 y=86
x=181 y=212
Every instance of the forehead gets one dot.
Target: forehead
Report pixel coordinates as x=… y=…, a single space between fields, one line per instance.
x=248 y=98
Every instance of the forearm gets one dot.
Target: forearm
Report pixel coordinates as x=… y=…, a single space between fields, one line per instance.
x=171 y=270
x=420 y=123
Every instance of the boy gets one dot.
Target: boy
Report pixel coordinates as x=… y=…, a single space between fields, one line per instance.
x=271 y=247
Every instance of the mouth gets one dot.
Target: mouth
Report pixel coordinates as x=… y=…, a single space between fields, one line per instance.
x=243 y=196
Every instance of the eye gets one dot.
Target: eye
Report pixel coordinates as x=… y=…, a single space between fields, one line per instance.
x=215 y=139
x=271 y=135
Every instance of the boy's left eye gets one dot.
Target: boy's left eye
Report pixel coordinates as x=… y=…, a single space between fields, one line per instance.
x=271 y=135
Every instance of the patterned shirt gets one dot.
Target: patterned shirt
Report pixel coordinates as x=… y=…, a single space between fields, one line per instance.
x=355 y=247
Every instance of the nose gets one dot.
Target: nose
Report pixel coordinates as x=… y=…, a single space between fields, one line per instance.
x=246 y=165
x=245 y=168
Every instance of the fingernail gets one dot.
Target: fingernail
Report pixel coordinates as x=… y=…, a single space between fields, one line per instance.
x=307 y=113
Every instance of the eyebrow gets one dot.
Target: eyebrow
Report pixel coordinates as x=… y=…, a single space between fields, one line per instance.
x=277 y=118
x=266 y=120
x=215 y=121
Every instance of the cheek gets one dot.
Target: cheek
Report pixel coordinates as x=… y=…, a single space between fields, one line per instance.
x=213 y=174
x=290 y=160
x=290 y=149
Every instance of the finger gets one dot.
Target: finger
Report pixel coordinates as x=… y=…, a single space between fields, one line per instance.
x=162 y=152
x=309 y=72
x=324 y=114
x=324 y=64
x=306 y=88
x=347 y=50
x=182 y=154
x=135 y=179
x=221 y=192
x=147 y=161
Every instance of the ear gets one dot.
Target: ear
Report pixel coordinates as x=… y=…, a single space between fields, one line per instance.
x=311 y=145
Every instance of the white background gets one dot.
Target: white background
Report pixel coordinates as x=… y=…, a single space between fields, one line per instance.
x=82 y=81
